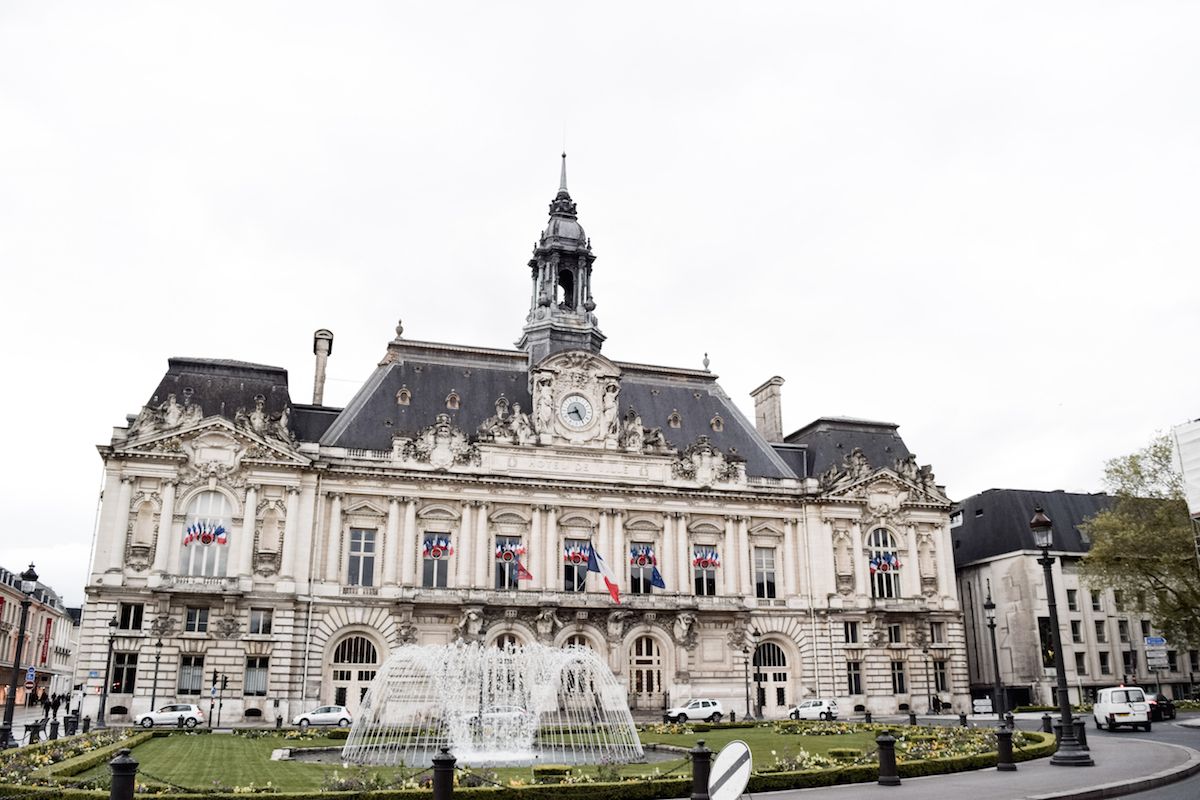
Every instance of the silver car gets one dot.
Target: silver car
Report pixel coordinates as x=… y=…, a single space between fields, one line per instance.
x=325 y=715
x=169 y=715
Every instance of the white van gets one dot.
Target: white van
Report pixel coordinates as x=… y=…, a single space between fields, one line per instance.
x=1121 y=705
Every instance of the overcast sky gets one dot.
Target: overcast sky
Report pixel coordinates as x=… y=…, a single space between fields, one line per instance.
x=977 y=220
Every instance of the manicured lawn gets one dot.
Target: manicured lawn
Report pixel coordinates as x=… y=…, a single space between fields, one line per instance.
x=763 y=740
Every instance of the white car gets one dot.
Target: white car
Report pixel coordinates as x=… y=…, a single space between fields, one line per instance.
x=702 y=709
x=169 y=715
x=821 y=708
x=502 y=715
x=1121 y=705
x=325 y=715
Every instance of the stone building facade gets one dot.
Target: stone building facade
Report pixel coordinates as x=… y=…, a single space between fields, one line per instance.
x=292 y=547
x=48 y=646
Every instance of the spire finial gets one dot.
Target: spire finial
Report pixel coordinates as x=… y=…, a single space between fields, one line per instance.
x=706 y=362
x=562 y=181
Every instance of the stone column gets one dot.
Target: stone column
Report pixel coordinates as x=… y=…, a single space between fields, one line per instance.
x=333 y=539
x=306 y=556
x=463 y=548
x=619 y=548
x=482 y=540
x=729 y=558
x=910 y=572
x=245 y=543
x=535 y=546
x=744 y=557
x=605 y=543
x=789 y=558
x=944 y=560
x=408 y=543
x=391 y=543
x=858 y=559
x=683 y=556
x=124 y=495
x=166 y=515
x=551 y=548
x=290 y=547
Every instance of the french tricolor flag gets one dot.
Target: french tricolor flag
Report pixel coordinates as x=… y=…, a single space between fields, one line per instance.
x=596 y=564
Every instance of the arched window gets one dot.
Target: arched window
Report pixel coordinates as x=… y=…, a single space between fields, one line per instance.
x=506 y=640
x=771 y=677
x=206 y=536
x=355 y=650
x=578 y=640
x=355 y=661
x=884 y=565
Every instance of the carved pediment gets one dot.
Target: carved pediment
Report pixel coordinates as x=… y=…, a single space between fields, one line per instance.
x=216 y=444
x=705 y=464
x=884 y=488
x=440 y=445
x=575 y=400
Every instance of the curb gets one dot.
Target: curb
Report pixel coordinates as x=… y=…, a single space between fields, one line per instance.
x=1118 y=789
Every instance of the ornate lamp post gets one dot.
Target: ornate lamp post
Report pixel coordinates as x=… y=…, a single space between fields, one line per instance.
x=746 y=653
x=928 y=682
x=989 y=610
x=1070 y=751
x=154 y=686
x=28 y=584
x=758 y=699
x=112 y=637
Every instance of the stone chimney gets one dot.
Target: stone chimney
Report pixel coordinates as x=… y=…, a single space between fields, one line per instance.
x=322 y=347
x=768 y=411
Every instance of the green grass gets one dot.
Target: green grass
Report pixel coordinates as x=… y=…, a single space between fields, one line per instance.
x=763 y=740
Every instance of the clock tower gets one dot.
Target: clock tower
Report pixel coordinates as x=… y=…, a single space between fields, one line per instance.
x=561 y=305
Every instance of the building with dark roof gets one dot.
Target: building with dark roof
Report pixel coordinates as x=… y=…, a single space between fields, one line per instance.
x=1102 y=632
x=47 y=648
x=293 y=547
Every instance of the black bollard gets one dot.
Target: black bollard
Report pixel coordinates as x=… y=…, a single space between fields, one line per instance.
x=87 y=724
x=124 y=769
x=733 y=716
x=701 y=766
x=867 y=717
x=1010 y=721
x=1004 y=760
x=887 y=759
x=1047 y=723
x=912 y=718
x=962 y=719
x=54 y=729
x=278 y=722
x=443 y=775
x=1081 y=732
x=179 y=722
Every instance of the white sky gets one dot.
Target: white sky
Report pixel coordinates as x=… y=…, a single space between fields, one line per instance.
x=977 y=220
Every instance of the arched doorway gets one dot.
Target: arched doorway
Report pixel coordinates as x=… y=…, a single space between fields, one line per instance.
x=355 y=661
x=772 y=680
x=645 y=674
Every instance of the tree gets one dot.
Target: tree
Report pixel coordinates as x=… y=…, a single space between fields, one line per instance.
x=1143 y=545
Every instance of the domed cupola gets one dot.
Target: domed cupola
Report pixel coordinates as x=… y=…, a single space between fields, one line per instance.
x=560 y=313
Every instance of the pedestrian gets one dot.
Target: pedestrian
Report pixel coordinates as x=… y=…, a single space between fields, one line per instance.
x=54 y=705
x=45 y=704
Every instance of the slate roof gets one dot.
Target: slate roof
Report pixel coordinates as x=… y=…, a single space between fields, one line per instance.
x=828 y=440
x=222 y=386
x=997 y=521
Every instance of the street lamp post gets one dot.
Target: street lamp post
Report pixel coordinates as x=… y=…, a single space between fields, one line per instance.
x=989 y=610
x=112 y=637
x=928 y=682
x=1070 y=752
x=746 y=653
x=758 y=666
x=28 y=584
x=154 y=686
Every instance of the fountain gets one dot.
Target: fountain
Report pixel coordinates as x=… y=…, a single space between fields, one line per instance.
x=513 y=706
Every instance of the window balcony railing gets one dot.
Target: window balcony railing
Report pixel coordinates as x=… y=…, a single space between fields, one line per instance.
x=200 y=583
x=365 y=591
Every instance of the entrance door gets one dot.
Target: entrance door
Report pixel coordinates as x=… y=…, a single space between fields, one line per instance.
x=355 y=662
x=772 y=680
x=645 y=674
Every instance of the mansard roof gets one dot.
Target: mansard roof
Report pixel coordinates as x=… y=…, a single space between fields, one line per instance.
x=826 y=441
x=222 y=386
x=996 y=522
x=431 y=372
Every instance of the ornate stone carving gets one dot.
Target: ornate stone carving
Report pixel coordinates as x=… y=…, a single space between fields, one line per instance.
x=706 y=465
x=266 y=564
x=547 y=623
x=470 y=624
x=907 y=467
x=441 y=445
x=684 y=631
x=406 y=632
x=276 y=427
x=165 y=416
x=138 y=557
x=615 y=625
x=163 y=625
x=228 y=628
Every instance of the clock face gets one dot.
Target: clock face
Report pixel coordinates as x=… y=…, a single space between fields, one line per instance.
x=575 y=411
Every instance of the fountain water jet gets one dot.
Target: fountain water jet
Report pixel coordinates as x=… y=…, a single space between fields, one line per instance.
x=491 y=705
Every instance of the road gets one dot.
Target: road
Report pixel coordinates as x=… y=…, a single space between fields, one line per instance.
x=1171 y=733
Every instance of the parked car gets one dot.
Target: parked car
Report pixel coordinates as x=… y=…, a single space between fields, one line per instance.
x=324 y=715
x=1161 y=706
x=501 y=715
x=704 y=709
x=1121 y=705
x=821 y=708
x=169 y=715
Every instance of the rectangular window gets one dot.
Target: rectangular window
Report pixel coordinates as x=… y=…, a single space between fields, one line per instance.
x=1081 y=663
x=1046 y=638
x=850 y=634
x=705 y=561
x=1076 y=631
x=1072 y=600
x=191 y=674
x=1118 y=600
x=362 y=558
x=941 y=676
x=1172 y=661
x=124 y=672
x=260 y=620
x=853 y=677
x=895 y=633
x=764 y=573
x=937 y=632
x=641 y=567
x=130 y=617
x=899 y=685
x=1129 y=664
x=1194 y=660
x=1123 y=630
x=435 y=560
x=1105 y=664
x=256 y=677
x=196 y=620
x=508 y=552
x=575 y=561
x=1101 y=631
x=1145 y=627
x=1097 y=601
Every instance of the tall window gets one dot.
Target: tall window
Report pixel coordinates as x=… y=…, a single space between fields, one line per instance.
x=130 y=617
x=895 y=633
x=362 y=558
x=764 y=573
x=1097 y=601
x=1145 y=627
x=1076 y=631
x=191 y=674
x=937 y=632
x=435 y=558
x=124 y=672
x=1194 y=660
x=850 y=635
x=1105 y=663
x=853 y=677
x=705 y=561
x=941 y=677
x=196 y=620
x=1123 y=630
x=642 y=566
x=260 y=620
x=205 y=551
x=1129 y=663
x=884 y=565
x=1081 y=663
x=575 y=561
x=1101 y=631
x=899 y=685
x=1072 y=599
x=1172 y=661
x=256 y=677
x=506 y=641
x=509 y=552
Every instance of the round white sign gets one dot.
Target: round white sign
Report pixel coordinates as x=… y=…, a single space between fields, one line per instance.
x=730 y=771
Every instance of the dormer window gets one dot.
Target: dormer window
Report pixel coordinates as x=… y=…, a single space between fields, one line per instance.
x=404 y=396
x=674 y=421
x=452 y=401
x=717 y=424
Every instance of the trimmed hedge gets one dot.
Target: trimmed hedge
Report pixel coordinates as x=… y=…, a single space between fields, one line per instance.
x=85 y=761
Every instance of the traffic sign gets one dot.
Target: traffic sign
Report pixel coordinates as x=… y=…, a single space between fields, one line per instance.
x=30 y=674
x=28 y=684
x=1155 y=641
x=730 y=771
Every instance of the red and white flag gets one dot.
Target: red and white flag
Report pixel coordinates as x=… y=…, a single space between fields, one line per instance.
x=596 y=564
